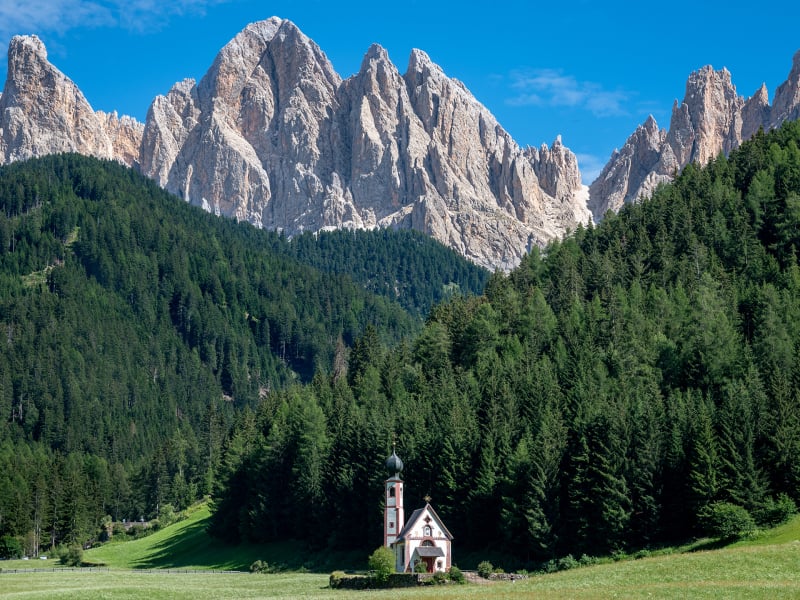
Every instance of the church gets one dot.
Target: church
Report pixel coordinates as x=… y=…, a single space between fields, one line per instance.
x=423 y=538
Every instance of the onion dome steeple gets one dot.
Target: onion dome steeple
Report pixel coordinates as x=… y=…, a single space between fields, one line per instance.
x=394 y=464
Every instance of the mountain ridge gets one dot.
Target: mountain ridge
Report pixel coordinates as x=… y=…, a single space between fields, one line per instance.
x=272 y=135
x=711 y=119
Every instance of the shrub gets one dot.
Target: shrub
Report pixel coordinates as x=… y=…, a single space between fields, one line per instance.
x=456 y=576
x=726 y=521
x=135 y=530
x=498 y=570
x=71 y=557
x=568 y=562
x=587 y=560
x=440 y=578
x=381 y=563
x=10 y=547
x=167 y=515
x=334 y=581
x=485 y=569
x=256 y=566
x=777 y=511
x=261 y=566
x=420 y=567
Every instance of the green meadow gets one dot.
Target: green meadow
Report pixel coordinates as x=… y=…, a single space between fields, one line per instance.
x=181 y=561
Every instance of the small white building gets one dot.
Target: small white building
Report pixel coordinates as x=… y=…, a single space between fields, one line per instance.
x=423 y=538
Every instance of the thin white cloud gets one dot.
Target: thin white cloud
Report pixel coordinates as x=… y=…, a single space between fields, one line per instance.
x=550 y=87
x=50 y=16
x=60 y=16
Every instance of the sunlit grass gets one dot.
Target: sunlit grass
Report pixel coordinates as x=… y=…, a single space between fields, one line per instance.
x=187 y=545
x=756 y=571
x=788 y=532
x=763 y=568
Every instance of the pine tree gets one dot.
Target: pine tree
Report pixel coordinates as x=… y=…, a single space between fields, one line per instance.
x=704 y=465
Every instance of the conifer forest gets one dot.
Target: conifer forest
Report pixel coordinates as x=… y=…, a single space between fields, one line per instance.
x=602 y=396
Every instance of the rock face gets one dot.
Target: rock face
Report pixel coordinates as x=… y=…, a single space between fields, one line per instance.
x=712 y=119
x=272 y=135
x=43 y=112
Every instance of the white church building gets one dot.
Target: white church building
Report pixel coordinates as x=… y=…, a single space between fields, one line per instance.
x=423 y=538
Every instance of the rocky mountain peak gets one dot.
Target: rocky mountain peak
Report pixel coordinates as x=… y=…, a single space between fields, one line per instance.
x=42 y=112
x=786 y=106
x=711 y=119
x=629 y=173
x=376 y=63
x=272 y=135
x=375 y=52
x=420 y=62
x=22 y=45
x=713 y=111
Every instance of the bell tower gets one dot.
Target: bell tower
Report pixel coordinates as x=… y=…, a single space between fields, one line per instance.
x=393 y=516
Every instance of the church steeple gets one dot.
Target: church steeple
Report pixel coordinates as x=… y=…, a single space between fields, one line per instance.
x=394 y=517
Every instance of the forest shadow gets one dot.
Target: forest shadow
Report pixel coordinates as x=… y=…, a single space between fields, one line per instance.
x=195 y=549
x=712 y=544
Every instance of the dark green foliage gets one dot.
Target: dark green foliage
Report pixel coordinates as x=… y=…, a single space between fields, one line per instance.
x=440 y=578
x=404 y=265
x=381 y=564
x=567 y=562
x=10 y=548
x=71 y=557
x=335 y=580
x=136 y=330
x=726 y=521
x=775 y=511
x=456 y=576
x=485 y=568
x=597 y=399
x=262 y=567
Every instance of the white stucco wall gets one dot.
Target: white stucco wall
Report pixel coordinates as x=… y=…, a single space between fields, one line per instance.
x=415 y=537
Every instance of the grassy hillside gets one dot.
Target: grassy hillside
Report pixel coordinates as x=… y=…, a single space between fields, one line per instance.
x=765 y=567
x=186 y=545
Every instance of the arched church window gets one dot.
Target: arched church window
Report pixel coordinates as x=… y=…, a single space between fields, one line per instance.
x=426 y=531
x=427 y=544
x=391 y=492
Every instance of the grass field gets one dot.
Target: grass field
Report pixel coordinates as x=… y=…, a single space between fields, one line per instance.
x=184 y=545
x=764 y=568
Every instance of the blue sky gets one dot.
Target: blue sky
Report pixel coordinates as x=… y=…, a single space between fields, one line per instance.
x=588 y=71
